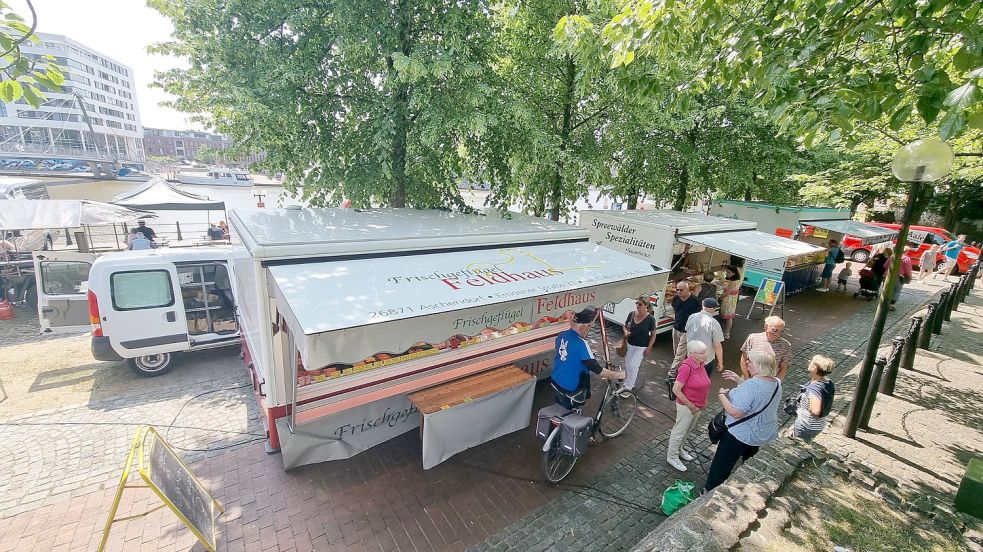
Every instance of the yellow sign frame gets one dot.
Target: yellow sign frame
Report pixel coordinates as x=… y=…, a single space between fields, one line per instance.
x=140 y=445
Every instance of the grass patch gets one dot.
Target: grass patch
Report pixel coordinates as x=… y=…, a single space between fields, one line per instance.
x=834 y=511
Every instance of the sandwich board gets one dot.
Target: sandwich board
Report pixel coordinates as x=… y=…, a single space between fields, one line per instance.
x=771 y=293
x=173 y=482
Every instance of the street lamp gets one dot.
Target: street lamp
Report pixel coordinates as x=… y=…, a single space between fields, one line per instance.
x=920 y=161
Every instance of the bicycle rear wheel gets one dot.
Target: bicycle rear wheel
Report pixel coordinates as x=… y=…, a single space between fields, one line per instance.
x=618 y=413
x=556 y=463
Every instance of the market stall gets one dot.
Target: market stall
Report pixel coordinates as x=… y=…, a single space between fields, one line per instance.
x=352 y=311
x=690 y=244
x=811 y=225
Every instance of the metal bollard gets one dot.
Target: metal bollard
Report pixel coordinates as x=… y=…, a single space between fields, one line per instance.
x=964 y=285
x=940 y=312
x=875 y=382
x=950 y=303
x=925 y=335
x=911 y=346
x=890 y=376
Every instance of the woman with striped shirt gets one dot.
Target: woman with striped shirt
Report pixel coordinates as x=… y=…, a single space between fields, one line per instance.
x=815 y=399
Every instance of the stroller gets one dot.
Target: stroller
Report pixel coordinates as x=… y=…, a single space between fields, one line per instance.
x=868 y=284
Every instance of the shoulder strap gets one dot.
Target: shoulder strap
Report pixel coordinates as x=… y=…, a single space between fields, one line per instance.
x=746 y=418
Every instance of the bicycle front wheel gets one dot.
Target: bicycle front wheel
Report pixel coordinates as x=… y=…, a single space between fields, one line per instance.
x=618 y=413
x=556 y=463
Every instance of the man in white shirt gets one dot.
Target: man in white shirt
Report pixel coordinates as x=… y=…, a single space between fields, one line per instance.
x=702 y=326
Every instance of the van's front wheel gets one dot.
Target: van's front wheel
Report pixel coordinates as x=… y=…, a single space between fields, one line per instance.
x=149 y=366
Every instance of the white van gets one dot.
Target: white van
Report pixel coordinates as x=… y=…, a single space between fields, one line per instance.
x=143 y=306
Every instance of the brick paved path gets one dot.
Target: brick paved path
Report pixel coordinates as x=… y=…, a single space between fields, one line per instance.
x=381 y=499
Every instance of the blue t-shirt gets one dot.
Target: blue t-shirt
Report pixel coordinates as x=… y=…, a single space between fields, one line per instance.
x=750 y=397
x=571 y=352
x=831 y=256
x=954 y=252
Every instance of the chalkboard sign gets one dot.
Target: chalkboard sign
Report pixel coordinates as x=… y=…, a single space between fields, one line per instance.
x=174 y=483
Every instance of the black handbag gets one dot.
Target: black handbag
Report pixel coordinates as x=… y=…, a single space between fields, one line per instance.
x=718 y=426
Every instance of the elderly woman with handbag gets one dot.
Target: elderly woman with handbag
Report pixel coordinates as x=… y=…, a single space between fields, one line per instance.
x=749 y=419
x=639 y=337
x=691 y=388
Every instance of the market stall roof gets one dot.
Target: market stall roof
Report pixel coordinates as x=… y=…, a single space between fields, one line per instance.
x=679 y=221
x=160 y=195
x=325 y=232
x=38 y=214
x=367 y=306
x=868 y=233
x=752 y=244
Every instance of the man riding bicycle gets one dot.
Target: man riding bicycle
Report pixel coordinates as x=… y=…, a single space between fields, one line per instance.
x=575 y=361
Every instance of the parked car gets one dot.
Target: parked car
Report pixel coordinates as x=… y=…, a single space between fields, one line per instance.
x=920 y=238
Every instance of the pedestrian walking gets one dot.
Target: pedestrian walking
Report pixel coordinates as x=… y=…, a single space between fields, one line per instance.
x=684 y=304
x=751 y=418
x=951 y=251
x=904 y=276
x=833 y=255
x=880 y=264
x=815 y=400
x=843 y=277
x=640 y=334
x=728 y=301
x=703 y=327
x=926 y=263
x=707 y=289
x=692 y=386
x=769 y=342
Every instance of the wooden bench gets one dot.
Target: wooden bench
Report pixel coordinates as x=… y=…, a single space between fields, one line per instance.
x=485 y=406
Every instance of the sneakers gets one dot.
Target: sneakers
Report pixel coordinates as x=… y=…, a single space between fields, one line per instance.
x=676 y=463
x=822 y=290
x=686 y=456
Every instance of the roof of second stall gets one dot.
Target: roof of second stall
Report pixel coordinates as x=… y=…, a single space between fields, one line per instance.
x=751 y=244
x=868 y=233
x=678 y=221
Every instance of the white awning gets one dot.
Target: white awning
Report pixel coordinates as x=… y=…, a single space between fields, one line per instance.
x=342 y=312
x=160 y=195
x=867 y=233
x=751 y=244
x=39 y=214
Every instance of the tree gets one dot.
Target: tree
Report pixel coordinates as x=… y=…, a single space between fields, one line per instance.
x=826 y=67
x=374 y=102
x=211 y=155
x=23 y=75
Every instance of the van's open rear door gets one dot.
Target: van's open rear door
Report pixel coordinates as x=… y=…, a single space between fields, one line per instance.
x=62 y=285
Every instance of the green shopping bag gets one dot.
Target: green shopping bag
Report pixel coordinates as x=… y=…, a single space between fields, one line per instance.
x=678 y=494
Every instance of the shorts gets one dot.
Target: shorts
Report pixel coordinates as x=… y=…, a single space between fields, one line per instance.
x=842 y=282
x=828 y=271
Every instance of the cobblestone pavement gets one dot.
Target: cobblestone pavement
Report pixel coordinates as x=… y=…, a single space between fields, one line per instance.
x=490 y=496
x=623 y=506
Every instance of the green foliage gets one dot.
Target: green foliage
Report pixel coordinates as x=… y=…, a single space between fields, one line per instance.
x=23 y=76
x=825 y=68
x=210 y=155
x=375 y=102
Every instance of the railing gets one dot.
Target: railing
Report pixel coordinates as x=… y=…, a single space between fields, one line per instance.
x=51 y=150
x=113 y=238
x=918 y=336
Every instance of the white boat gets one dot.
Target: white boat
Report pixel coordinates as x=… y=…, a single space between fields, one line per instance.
x=219 y=177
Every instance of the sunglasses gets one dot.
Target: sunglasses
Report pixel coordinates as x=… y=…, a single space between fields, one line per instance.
x=639 y=304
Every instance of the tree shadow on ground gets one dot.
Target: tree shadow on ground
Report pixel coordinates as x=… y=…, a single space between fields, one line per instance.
x=962 y=406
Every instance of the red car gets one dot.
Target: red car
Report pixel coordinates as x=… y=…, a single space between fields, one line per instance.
x=920 y=238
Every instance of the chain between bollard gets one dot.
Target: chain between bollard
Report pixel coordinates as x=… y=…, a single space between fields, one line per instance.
x=890 y=376
x=940 y=312
x=875 y=383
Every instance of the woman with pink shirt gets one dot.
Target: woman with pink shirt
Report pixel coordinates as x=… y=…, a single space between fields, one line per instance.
x=691 y=388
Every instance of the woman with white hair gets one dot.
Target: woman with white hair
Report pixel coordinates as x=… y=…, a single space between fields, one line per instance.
x=751 y=416
x=691 y=389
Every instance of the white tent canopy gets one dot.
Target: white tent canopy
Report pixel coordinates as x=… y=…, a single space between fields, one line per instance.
x=38 y=214
x=159 y=195
x=335 y=308
x=752 y=244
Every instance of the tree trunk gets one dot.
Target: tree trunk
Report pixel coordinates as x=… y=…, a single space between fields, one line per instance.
x=922 y=203
x=679 y=202
x=632 y=199
x=747 y=191
x=401 y=100
x=952 y=209
x=556 y=188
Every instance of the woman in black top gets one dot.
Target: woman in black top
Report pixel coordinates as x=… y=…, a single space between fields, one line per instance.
x=640 y=333
x=880 y=264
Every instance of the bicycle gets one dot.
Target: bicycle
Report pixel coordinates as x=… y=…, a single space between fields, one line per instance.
x=613 y=416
